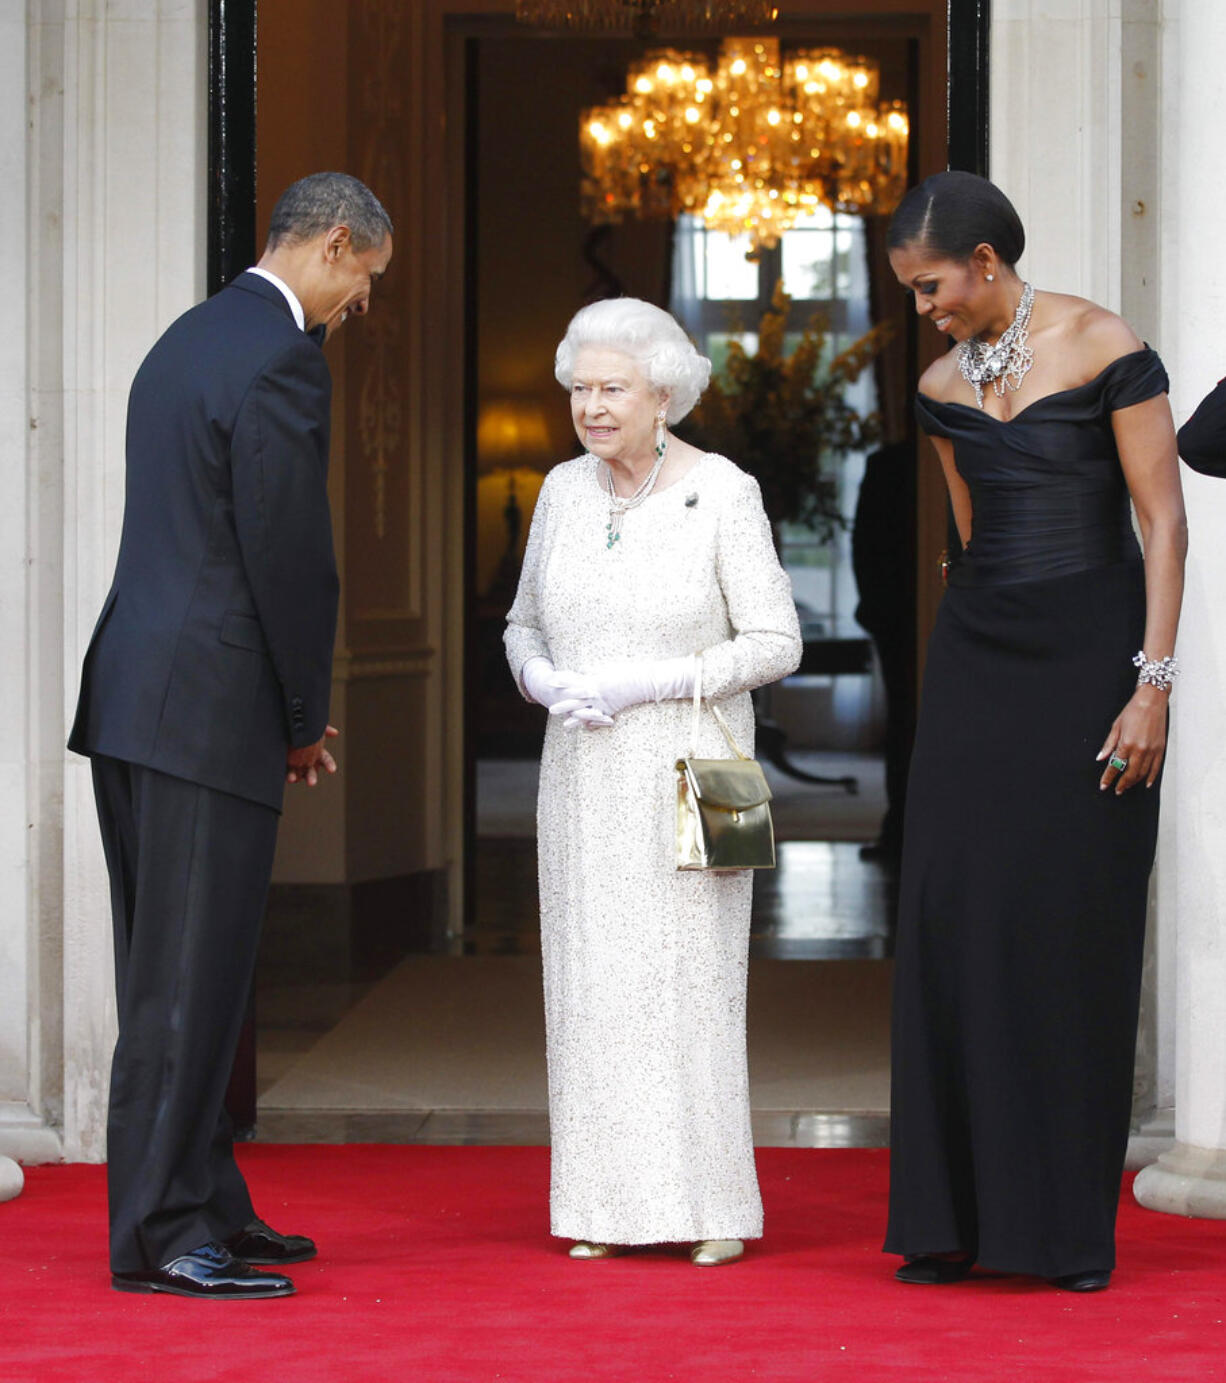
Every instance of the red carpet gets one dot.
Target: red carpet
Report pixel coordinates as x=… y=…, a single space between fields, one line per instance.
x=436 y=1264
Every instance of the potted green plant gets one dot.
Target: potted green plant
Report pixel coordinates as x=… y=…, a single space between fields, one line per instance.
x=785 y=418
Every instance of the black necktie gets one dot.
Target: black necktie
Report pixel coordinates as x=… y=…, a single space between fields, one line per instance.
x=317 y=334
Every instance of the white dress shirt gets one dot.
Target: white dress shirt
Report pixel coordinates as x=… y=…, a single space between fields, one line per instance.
x=290 y=296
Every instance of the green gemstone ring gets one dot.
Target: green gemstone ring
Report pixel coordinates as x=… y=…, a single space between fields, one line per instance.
x=1117 y=763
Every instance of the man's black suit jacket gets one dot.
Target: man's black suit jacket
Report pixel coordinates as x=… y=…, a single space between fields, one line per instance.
x=1202 y=439
x=213 y=652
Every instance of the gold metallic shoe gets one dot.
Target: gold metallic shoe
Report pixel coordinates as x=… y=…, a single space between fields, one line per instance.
x=586 y=1250
x=712 y=1252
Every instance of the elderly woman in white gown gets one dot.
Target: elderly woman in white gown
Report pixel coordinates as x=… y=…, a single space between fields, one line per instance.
x=644 y=556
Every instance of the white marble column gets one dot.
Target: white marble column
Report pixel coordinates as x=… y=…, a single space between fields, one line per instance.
x=29 y=982
x=1190 y=1179
x=12 y=1179
x=134 y=250
x=1056 y=138
x=1076 y=87
x=102 y=152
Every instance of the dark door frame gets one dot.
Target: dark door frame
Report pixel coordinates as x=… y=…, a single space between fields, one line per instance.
x=967 y=109
x=232 y=135
x=231 y=249
x=232 y=70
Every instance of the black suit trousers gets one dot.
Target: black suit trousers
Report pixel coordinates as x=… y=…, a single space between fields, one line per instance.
x=189 y=869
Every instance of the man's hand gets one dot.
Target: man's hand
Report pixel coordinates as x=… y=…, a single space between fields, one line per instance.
x=304 y=764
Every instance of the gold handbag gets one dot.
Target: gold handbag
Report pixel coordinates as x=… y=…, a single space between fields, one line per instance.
x=723 y=805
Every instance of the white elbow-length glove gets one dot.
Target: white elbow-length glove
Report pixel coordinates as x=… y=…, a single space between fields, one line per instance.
x=548 y=687
x=537 y=675
x=591 y=699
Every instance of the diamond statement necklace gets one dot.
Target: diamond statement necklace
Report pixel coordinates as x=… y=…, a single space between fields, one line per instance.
x=1005 y=364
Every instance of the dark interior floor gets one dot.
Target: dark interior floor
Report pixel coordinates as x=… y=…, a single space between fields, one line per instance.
x=822 y=902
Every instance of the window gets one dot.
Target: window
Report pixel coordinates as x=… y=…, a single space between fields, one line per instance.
x=718 y=293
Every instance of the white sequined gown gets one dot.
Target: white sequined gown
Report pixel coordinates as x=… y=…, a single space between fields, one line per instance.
x=645 y=967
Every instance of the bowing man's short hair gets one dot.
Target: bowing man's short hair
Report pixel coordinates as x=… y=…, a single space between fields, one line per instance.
x=316 y=203
x=648 y=334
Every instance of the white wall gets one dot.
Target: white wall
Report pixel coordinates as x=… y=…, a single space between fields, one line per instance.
x=104 y=221
x=1194 y=843
x=1077 y=91
x=15 y=969
x=102 y=123
x=1055 y=138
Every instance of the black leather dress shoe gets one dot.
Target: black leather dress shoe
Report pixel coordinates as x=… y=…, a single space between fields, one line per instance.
x=260 y=1243
x=211 y=1271
x=928 y=1271
x=1095 y=1280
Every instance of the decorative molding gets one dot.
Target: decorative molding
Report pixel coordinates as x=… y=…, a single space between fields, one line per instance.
x=12 y=1179
x=1186 y=1180
x=26 y=1138
x=389 y=525
x=381 y=396
x=381 y=408
x=358 y=667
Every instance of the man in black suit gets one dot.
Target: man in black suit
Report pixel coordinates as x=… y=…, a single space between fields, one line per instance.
x=1202 y=439
x=205 y=689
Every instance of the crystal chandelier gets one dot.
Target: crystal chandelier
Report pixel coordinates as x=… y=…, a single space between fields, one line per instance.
x=750 y=146
x=646 y=17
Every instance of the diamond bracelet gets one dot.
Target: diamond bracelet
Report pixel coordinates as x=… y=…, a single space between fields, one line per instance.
x=1156 y=672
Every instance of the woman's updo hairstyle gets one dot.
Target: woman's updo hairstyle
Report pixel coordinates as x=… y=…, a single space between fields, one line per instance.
x=950 y=213
x=664 y=353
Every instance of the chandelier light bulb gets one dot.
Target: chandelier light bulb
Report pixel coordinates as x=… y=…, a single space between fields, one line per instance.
x=749 y=142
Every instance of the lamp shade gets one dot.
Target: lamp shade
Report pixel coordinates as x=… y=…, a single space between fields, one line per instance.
x=511 y=433
x=506 y=498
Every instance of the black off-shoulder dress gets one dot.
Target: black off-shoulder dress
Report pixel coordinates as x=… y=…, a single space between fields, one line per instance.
x=1023 y=891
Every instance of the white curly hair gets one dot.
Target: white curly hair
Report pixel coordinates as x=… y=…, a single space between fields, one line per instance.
x=650 y=336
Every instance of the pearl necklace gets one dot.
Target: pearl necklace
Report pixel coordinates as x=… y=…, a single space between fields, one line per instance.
x=1007 y=362
x=619 y=507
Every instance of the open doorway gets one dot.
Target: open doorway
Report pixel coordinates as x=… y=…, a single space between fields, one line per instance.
x=823 y=920
x=824 y=733
x=435 y=867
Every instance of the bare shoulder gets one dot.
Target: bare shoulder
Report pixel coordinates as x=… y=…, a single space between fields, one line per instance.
x=940 y=380
x=1096 y=335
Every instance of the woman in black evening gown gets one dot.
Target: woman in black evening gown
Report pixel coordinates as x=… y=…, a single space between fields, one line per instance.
x=1033 y=801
